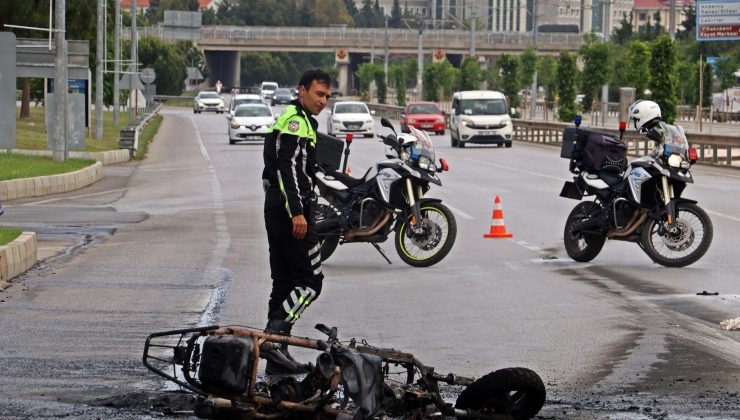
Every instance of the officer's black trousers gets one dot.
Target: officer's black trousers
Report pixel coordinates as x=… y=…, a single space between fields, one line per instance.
x=295 y=266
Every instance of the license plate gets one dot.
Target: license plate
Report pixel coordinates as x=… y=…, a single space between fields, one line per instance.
x=427 y=126
x=486 y=133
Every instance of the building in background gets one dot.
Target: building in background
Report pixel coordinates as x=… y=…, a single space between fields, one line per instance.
x=645 y=11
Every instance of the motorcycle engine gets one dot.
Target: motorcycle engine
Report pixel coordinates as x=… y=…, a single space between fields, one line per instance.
x=624 y=211
x=365 y=213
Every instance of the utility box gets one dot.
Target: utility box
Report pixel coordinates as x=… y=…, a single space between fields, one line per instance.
x=127 y=139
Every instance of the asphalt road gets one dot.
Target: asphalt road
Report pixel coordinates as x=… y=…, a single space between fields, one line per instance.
x=178 y=240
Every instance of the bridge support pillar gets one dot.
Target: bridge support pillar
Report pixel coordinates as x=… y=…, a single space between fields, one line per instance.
x=225 y=66
x=343 y=77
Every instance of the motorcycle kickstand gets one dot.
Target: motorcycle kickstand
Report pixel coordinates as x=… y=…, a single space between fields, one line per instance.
x=379 y=249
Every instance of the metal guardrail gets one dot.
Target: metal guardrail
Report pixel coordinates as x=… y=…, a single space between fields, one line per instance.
x=713 y=149
x=129 y=135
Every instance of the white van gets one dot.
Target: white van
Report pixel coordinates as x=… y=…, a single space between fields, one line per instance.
x=267 y=89
x=480 y=116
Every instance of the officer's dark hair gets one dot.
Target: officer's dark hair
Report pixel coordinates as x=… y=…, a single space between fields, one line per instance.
x=314 y=74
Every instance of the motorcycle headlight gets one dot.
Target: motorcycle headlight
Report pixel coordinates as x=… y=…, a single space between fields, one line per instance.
x=404 y=155
x=674 y=161
x=685 y=164
x=425 y=163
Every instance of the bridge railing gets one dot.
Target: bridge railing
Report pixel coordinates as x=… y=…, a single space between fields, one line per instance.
x=395 y=35
x=713 y=149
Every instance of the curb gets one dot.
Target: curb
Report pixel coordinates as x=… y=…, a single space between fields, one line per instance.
x=51 y=184
x=17 y=257
x=109 y=157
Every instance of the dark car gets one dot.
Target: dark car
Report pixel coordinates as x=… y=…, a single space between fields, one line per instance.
x=423 y=116
x=282 y=96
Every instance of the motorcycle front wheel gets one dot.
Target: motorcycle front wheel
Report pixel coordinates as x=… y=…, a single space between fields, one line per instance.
x=518 y=392
x=433 y=242
x=683 y=245
x=581 y=247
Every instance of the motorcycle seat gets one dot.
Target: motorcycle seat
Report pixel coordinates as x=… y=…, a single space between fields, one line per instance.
x=611 y=178
x=346 y=179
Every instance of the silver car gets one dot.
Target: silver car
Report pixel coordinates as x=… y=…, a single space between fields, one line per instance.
x=350 y=117
x=250 y=122
x=208 y=101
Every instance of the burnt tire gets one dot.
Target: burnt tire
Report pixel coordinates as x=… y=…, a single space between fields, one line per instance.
x=579 y=246
x=518 y=392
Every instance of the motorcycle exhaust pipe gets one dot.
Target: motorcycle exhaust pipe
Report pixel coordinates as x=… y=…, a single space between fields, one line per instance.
x=587 y=224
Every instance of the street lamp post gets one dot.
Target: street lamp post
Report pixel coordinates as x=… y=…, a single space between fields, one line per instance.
x=420 y=62
x=533 y=94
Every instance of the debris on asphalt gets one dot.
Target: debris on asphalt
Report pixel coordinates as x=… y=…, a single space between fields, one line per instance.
x=731 y=324
x=705 y=293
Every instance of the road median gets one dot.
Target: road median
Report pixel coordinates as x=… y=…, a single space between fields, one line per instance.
x=17 y=257
x=50 y=184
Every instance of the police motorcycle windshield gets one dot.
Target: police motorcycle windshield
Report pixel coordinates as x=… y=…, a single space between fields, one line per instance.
x=672 y=140
x=421 y=154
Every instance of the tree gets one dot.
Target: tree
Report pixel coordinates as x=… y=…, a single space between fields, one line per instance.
x=595 y=57
x=366 y=73
x=167 y=61
x=528 y=66
x=395 y=20
x=566 y=86
x=331 y=12
x=510 y=81
x=625 y=32
x=707 y=77
x=397 y=73
x=380 y=84
x=470 y=74
x=726 y=68
x=687 y=29
x=637 y=67
x=663 y=84
x=547 y=68
x=438 y=80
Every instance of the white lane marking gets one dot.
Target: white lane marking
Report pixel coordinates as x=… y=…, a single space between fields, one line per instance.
x=459 y=212
x=51 y=200
x=727 y=216
x=511 y=168
x=215 y=273
x=528 y=246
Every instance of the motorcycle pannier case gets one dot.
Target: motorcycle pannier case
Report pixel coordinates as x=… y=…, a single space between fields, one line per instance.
x=329 y=151
x=604 y=153
x=593 y=151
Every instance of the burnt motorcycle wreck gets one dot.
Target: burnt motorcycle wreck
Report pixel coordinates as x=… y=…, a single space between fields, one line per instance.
x=351 y=380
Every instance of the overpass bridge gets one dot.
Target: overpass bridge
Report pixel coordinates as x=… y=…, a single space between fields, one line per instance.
x=352 y=46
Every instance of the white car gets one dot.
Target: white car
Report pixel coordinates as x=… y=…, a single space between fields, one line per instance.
x=208 y=101
x=244 y=98
x=481 y=117
x=267 y=89
x=350 y=117
x=250 y=122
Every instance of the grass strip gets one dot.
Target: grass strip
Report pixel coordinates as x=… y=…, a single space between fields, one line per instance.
x=8 y=235
x=147 y=135
x=14 y=166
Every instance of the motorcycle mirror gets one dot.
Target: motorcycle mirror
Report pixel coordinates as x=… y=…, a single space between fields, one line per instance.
x=385 y=122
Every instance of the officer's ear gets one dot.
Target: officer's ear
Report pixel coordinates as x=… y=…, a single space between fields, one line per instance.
x=302 y=90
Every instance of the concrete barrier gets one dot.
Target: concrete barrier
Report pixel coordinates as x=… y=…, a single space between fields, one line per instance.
x=17 y=257
x=51 y=184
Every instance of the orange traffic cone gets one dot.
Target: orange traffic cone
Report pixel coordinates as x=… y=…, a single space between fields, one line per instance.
x=498 y=229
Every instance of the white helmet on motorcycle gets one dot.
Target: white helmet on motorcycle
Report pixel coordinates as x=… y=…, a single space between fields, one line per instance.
x=643 y=113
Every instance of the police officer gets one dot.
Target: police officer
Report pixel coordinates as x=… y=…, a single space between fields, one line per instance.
x=288 y=178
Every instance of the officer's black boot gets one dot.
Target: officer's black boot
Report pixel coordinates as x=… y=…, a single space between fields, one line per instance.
x=279 y=360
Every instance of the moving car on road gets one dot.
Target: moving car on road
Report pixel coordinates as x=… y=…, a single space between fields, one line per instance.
x=480 y=116
x=250 y=122
x=208 y=101
x=423 y=116
x=244 y=98
x=350 y=117
x=267 y=89
x=282 y=96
